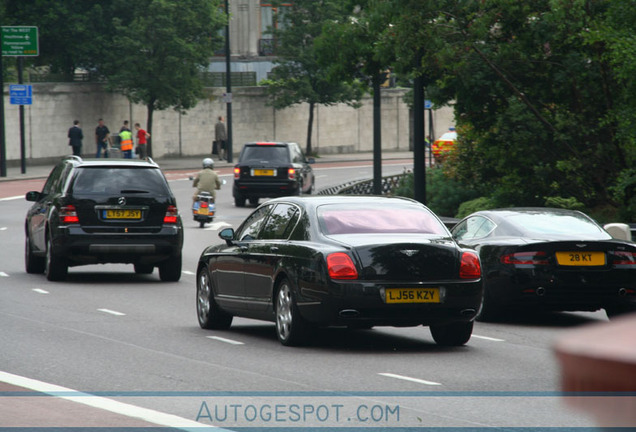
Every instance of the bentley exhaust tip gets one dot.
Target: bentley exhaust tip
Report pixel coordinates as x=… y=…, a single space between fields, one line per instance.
x=540 y=291
x=468 y=312
x=349 y=313
x=622 y=292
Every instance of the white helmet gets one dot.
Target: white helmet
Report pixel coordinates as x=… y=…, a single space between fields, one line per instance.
x=208 y=163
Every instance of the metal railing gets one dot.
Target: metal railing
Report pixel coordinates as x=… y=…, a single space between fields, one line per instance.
x=364 y=187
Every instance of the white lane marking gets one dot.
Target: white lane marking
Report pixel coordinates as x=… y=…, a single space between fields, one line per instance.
x=40 y=291
x=12 y=198
x=112 y=312
x=3 y=228
x=405 y=378
x=3 y=274
x=187 y=272
x=215 y=226
x=230 y=341
x=488 y=338
x=132 y=411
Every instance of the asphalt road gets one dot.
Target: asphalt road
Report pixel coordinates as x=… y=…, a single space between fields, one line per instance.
x=111 y=348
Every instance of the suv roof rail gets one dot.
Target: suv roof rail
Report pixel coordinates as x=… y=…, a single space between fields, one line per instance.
x=77 y=158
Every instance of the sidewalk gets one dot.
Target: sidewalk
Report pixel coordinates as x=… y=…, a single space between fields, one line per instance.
x=35 y=170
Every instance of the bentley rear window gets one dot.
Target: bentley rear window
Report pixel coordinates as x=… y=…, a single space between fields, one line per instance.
x=349 y=219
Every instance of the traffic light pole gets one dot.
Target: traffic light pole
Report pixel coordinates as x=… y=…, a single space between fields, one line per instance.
x=419 y=160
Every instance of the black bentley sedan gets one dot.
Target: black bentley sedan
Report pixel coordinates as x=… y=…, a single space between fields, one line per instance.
x=341 y=261
x=554 y=259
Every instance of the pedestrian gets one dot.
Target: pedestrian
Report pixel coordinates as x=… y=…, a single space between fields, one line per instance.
x=220 y=136
x=125 y=126
x=142 y=137
x=102 y=137
x=126 y=141
x=75 y=137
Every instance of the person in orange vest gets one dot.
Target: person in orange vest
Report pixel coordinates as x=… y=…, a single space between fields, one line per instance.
x=126 y=141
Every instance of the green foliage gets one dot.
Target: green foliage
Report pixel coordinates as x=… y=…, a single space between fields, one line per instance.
x=481 y=203
x=624 y=192
x=299 y=76
x=542 y=112
x=159 y=49
x=150 y=50
x=565 y=203
x=69 y=31
x=444 y=195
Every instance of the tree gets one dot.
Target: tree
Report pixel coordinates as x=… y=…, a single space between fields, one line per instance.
x=348 y=48
x=538 y=105
x=159 y=49
x=299 y=77
x=70 y=32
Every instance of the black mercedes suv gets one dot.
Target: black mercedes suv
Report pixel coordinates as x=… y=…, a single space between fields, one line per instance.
x=104 y=211
x=271 y=169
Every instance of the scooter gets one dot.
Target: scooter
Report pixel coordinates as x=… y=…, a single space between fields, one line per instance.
x=203 y=208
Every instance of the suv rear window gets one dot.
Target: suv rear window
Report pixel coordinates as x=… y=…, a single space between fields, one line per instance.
x=268 y=153
x=118 y=180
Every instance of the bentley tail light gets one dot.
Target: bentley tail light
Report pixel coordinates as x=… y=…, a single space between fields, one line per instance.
x=171 y=215
x=470 y=267
x=525 y=258
x=68 y=215
x=237 y=173
x=340 y=266
x=623 y=259
x=291 y=172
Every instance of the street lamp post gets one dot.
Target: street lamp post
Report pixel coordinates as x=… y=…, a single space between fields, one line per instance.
x=228 y=85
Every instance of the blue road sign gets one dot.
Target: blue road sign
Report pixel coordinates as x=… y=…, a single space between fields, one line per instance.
x=428 y=104
x=21 y=94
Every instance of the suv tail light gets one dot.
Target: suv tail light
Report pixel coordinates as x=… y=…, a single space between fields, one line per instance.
x=171 y=215
x=68 y=215
x=470 y=267
x=340 y=266
x=525 y=258
x=237 y=173
x=291 y=173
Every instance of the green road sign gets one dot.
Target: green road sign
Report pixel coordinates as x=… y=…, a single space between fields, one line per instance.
x=19 y=41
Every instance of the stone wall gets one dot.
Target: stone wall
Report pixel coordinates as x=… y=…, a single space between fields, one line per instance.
x=337 y=129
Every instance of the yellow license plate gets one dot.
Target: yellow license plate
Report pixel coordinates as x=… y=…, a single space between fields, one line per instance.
x=412 y=295
x=122 y=214
x=203 y=211
x=580 y=258
x=264 y=172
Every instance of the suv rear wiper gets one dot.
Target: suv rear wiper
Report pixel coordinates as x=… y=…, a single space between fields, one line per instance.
x=133 y=191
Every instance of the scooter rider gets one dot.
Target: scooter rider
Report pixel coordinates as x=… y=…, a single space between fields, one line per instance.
x=207 y=180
